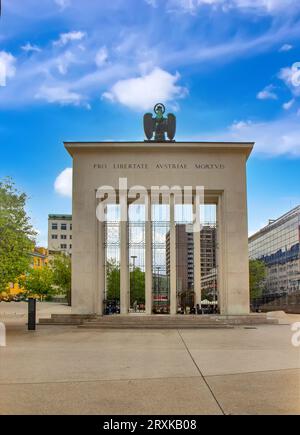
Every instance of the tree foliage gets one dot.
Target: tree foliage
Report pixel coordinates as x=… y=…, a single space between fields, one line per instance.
x=38 y=283
x=257 y=278
x=207 y=295
x=137 y=286
x=113 y=280
x=62 y=274
x=137 y=283
x=16 y=234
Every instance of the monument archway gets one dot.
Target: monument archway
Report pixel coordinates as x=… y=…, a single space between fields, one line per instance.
x=218 y=167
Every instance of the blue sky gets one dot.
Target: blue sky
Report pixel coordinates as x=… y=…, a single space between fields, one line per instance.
x=77 y=70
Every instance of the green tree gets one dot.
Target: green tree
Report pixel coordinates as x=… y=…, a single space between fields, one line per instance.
x=62 y=274
x=137 y=286
x=113 y=280
x=38 y=283
x=16 y=234
x=207 y=295
x=257 y=278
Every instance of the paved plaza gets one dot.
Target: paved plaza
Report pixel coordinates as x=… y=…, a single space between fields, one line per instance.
x=62 y=370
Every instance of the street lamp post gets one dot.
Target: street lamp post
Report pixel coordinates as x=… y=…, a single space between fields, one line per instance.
x=133 y=257
x=158 y=284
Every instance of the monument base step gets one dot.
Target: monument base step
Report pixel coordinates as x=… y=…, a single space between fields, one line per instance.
x=135 y=321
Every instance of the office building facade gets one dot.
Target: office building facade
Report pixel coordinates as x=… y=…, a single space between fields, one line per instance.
x=277 y=245
x=185 y=259
x=60 y=234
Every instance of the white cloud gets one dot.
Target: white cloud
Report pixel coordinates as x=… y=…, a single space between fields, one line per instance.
x=291 y=77
x=29 y=47
x=240 y=125
x=274 y=138
x=101 y=56
x=280 y=137
x=289 y=104
x=63 y=183
x=143 y=92
x=7 y=67
x=133 y=51
x=255 y=6
x=152 y=3
x=267 y=94
x=63 y=3
x=65 y=38
x=64 y=61
x=266 y=5
x=286 y=47
x=61 y=95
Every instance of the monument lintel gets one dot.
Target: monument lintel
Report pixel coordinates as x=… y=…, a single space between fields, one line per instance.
x=244 y=147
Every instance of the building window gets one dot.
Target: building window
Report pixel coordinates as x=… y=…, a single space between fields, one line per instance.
x=63 y=227
x=63 y=246
x=71 y=227
x=54 y=236
x=63 y=237
x=54 y=226
x=70 y=246
x=70 y=237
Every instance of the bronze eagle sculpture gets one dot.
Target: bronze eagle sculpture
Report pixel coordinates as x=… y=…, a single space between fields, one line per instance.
x=159 y=126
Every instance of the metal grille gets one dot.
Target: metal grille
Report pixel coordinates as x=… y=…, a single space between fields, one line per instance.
x=112 y=260
x=160 y=259
x=184 y=257
x=209 y=246
x=137 y=246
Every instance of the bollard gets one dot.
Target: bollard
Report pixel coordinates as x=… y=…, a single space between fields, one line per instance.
x=2 y=335
x=31 y=314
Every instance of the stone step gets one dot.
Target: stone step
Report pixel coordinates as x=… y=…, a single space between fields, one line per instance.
x=60 y=321
x=179 y=317
x=160 y=325
x=113 y=319
x=72 y=316
x=193 y=322
x=152 y=326
x=157 y=321
x=248 y=321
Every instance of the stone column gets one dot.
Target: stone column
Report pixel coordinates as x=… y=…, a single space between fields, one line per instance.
x=173 y=274
x=221 y=278
x=124 y=258
x=148 y=257
x=197 y=252
x=85 y=295
x=233 y=276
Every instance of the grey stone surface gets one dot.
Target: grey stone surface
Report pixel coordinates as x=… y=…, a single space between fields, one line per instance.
x=147 y=396
x=63 y=369
x=68 y=354
x=243 y=350
x=271 y=393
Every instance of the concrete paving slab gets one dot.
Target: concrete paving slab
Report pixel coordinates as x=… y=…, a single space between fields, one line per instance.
x=187 y=396
x=272 y=393
x=242 y=350
x=261 y=337
x=69 y=354
x=60 y=370
x=216 y=362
